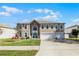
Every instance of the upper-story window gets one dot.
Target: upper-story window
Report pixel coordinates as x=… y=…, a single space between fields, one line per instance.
x=35 y=28
x=42 y=26
x=56 y=27
x=25 y=26
x=61 y=27
x=47 y=26
x=51 y=26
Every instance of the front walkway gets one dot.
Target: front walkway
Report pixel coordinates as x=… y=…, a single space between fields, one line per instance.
x=50 y=48
x=19 y=47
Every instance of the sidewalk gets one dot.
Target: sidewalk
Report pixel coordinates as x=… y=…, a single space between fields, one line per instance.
x=50 y=48
x=19 y=47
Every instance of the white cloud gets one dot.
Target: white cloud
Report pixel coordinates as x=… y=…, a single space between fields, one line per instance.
x=29 y=12
x=48 y=13
x=45 y=11
x=11 y=9
x=24 y=20
x=5 y=14
x=54 y=16
x=75 y=20
x=37 y=10
x=50 y=17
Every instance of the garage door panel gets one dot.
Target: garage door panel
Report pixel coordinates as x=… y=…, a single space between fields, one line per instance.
x=46 y=36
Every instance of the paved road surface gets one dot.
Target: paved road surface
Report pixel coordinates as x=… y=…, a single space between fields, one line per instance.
x=50 y=48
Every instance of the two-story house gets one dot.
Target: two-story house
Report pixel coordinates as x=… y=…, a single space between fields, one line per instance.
x=41 y=29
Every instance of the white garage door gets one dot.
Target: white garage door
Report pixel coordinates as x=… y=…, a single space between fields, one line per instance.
x=46 y=36
x=66 y=35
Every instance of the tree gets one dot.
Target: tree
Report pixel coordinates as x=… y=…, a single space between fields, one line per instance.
x=75 y=32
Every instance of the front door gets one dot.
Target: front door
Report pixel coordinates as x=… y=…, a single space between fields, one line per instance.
x=35 y=35
x=35 y=31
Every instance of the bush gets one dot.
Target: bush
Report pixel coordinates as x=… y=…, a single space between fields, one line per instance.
x=25 y=38
x=22 y=38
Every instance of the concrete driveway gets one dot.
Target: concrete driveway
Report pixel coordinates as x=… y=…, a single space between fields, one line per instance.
x=50 y=48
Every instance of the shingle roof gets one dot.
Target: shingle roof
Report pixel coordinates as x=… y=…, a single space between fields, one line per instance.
x=42 y=21
x=72 y=26
x=3 y=25
x=46 y=21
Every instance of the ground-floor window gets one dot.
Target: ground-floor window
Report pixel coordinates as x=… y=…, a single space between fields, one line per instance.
x=20 y=34
x=25 y=34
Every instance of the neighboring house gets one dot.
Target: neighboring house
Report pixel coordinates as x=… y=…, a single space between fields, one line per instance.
x=41 y=29
x=6 y=32
x=68 y=31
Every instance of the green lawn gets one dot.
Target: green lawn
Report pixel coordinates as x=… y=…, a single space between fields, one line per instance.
x=18 y=52
x=71 y=38
x=19 y=42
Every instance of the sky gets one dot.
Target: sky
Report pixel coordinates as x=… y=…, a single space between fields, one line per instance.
x=13 y=13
